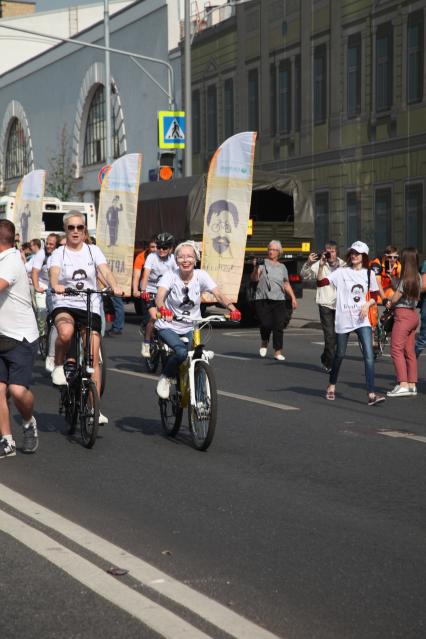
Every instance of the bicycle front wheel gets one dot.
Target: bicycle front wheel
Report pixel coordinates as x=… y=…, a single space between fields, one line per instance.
x=89 y=414
x=203 y=415
x=171 y=412
x=153 y=360
x=69 y=401
x=102 y=367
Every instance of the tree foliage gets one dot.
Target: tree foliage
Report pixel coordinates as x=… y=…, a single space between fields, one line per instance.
x=61 y=182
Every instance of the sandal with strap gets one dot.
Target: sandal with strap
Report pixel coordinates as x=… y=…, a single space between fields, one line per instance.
x=330 y=395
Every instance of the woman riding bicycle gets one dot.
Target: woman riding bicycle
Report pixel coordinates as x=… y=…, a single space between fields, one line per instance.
x=179 y=293
x=156 y=265
x=77 y=265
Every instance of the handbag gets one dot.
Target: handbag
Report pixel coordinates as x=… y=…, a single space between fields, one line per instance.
x=373 y=313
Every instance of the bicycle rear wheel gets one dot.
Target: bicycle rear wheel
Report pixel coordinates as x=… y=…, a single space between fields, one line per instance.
x=203 y=416
x=153 y=360
x=89 y=414
x=69 y=401
x=171 y=412
x=102 y=367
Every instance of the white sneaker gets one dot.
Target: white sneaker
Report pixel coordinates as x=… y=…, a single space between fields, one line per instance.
x=146 y=349
x=399 y=391
x=279 y=358
x=103 y=419
x=413 y=390
x=163 y=387
x=49 y=363
x=263 y=351
x=58 y=376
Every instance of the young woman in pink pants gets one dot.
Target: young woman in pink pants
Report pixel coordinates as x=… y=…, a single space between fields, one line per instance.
x=404 y=301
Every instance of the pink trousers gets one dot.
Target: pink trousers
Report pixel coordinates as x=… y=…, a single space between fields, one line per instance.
x=403 y=344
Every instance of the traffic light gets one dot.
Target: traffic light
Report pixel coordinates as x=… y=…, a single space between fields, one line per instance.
x=166 y=167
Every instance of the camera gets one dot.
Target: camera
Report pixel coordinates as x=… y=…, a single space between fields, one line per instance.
x=260 y=261
x=326 y=255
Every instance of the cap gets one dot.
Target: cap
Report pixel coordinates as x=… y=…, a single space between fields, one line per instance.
x=359 y=247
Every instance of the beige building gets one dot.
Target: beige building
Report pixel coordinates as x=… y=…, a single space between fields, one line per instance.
x=337 y=92
x=13 y=8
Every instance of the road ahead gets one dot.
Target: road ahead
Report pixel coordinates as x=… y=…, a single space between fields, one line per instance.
x=305 y=519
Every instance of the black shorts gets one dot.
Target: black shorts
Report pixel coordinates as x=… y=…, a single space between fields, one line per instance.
x=80 y=317
x=16 y=365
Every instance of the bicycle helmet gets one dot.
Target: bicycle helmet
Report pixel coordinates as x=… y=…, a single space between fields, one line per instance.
x=165 y=240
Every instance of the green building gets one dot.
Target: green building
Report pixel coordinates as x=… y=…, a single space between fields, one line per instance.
x=336 y=91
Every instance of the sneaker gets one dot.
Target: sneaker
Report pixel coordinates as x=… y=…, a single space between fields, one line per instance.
x=413 y=389
x=58 y=376
x=375 y=398
x=399 y=391
x=263 y=351
x=103 y=419
x=279 y=358
x=49 y=363
x=163 y=387
x=326 y=369
x=146 y=349
x=7 y=449
x=30 y=443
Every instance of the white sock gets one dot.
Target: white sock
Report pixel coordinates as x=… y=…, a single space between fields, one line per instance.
x=9 y=439
x=28 y=424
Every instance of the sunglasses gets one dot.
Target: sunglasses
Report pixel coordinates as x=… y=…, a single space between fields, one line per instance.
x=75 y=227
x=391 y=257
x=186 y=301
x=163 y=246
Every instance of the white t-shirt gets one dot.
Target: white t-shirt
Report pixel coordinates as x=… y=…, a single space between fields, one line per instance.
x=29 y=267
x=184 y=298
x=17 y=317
x=39 y=262
x=77 y=270
x=351 y=288
x=158 y=268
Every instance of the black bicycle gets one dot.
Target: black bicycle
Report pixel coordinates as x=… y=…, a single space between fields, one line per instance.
x=79 y=399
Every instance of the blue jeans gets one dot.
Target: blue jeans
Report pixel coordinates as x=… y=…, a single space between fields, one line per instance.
x=180 y=349
x=421 y=335
x=118 y=323
x=364 y=336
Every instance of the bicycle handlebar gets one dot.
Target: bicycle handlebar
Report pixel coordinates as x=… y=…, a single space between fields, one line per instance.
x=74 y=292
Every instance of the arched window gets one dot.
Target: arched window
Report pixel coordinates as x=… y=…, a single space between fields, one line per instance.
x=16 y=151
x=95 y=138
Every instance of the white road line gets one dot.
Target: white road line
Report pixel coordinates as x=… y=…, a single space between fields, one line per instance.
x=244 y=359
x=245 y=398
x=166 y=623
x=399 y=434
x=206 y=608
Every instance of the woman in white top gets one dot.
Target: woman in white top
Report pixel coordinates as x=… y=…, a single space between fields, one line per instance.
x=77 y=265
x=179 y=293
x=352 y=284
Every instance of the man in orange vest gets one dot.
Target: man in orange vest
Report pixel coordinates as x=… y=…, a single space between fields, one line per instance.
x=388 y=272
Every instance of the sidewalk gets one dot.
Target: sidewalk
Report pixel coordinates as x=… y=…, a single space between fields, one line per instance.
x=306 y=315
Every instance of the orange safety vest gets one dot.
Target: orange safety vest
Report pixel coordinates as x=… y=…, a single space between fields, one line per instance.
x=384 y=279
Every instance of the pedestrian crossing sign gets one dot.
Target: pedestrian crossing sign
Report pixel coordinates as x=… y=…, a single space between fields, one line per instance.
x=171 y=129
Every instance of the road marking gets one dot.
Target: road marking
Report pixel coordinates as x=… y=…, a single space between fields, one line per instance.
x=245 y=398
x=400 y=434
x=206 y=608
x=244 y=359
x=255 y=334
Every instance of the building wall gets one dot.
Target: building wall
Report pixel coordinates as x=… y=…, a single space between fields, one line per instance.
x=363 y=151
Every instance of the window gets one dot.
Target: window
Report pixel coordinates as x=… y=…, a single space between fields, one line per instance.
x=320 y=84
x=384 y=68
x=95 y=139
x=353 y=217
x=273 y=99
x=196 y=121
x=298 y=93
x=321 y=219
x=211 y=118
x=16 y=151
x=354 y=75
x=228 y=108
x=414 y=215
x=382 y=219
x=415 y=53
x=284 y=97
x=253 y=100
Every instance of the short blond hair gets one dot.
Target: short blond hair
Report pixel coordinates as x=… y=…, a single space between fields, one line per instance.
x=71 y=214
x=192 y=245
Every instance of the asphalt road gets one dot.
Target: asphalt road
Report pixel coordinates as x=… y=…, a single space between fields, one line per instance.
x=304 y=518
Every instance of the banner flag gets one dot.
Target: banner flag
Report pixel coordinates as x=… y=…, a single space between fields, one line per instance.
x=228 y=197
x=116 y=226
x=28 y=216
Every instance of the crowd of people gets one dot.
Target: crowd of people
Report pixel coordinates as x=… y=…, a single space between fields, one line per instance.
x=34 y=277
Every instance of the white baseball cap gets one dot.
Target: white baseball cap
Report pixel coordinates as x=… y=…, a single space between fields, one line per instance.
x=359 y=247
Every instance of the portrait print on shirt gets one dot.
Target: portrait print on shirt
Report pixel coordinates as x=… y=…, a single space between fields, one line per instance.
x=79 y=277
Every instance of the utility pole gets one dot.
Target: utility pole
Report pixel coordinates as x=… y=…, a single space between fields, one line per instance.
x=109 y=152
x=187 y=90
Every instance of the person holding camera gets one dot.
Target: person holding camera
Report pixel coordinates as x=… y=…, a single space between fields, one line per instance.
x=272 y=290
x=325 y=297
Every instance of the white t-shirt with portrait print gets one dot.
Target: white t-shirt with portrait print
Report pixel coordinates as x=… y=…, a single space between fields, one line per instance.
x=158 y=268
x=184 y=298
x=351 y=290
x=78 y=269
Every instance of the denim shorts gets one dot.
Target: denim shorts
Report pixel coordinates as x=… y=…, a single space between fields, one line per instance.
x=16 y=365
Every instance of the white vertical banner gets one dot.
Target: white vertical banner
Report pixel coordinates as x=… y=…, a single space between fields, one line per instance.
x=29 y=206
x=228 y=198
x=116 y=224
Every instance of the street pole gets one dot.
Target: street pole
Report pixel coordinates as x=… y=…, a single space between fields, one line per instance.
x=109 y=153
x=187 y=90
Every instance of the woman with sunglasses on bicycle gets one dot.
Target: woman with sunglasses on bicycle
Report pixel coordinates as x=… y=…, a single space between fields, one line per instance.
x=77 y=265
x=179 y=293
x=156 y=265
